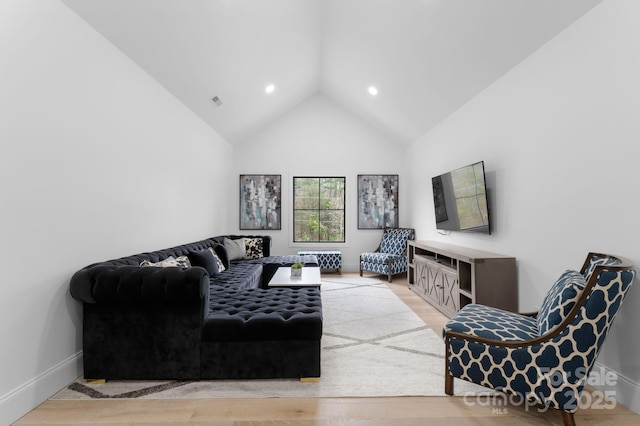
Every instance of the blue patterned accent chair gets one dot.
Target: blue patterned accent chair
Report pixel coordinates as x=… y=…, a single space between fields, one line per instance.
x=542 y=358
x=390 y=257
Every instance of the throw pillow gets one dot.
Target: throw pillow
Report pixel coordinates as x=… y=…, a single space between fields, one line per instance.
x=183 y=262
x=560 y=299
x=204 y=259
x=253 y=248
x=179 y=262
x=220 y=266
x=235 y=248
x=222 y=254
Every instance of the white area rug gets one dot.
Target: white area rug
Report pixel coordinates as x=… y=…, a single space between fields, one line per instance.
x=372 y=345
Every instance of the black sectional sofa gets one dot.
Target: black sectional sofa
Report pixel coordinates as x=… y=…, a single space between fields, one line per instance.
x=190 y=323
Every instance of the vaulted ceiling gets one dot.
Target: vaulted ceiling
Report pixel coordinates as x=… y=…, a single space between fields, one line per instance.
x=425 y=57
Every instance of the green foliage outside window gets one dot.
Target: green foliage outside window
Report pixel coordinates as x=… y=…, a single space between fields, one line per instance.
x=319 y=209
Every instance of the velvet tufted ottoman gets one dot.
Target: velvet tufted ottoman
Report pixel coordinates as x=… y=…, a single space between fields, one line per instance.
x=262 y=333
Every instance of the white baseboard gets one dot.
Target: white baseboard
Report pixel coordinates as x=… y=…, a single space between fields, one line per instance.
x=624 y=390
x=29 y=395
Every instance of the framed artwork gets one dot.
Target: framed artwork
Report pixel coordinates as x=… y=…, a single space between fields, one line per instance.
x=377 y=201
x=260 y=201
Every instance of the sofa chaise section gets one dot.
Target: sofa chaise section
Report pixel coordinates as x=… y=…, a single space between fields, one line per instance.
x=262 y=334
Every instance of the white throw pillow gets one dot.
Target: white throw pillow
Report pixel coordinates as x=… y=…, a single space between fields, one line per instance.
x=180 y=262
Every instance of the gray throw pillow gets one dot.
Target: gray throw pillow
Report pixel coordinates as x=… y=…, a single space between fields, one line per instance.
x=235 y=248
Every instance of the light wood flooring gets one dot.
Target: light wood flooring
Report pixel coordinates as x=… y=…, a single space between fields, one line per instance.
x=398 y=411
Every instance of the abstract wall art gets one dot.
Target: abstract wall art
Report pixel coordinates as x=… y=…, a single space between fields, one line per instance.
x=260 y=201
x=377 y=201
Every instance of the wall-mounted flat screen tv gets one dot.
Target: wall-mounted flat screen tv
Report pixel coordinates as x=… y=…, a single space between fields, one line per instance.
x=460 y=200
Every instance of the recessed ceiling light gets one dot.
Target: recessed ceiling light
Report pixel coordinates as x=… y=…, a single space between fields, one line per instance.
x=373 y=91
x=270 y=88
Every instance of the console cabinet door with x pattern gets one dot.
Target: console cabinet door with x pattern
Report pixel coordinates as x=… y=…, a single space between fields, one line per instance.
x=450 y=298
x=450 y=277
x=438 y=285
x=420 y=284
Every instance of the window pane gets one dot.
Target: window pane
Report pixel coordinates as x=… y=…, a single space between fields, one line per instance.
x=306 y=193
x=305 y=224
x=302 y=225
x=332 y=193
x=332 y=225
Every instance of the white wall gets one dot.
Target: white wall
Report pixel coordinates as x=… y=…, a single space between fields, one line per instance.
x=98 y=161
x=320 y=138
x=559 y=137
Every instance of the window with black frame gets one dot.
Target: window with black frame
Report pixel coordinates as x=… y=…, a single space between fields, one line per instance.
x=319 y=209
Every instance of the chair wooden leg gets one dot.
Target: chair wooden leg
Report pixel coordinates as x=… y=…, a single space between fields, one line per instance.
x=389 y=278
x=448 y=378
x=567 y=418
x=448 y=383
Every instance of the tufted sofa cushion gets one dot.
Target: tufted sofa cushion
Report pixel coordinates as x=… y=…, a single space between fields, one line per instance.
x=239 y=276
x=272 y=263
x=261 y=314
x=560 y=299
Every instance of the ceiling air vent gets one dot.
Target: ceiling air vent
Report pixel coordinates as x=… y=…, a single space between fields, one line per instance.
x=216 y=100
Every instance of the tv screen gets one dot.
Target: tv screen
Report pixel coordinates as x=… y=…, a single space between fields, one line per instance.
x=460 y=200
